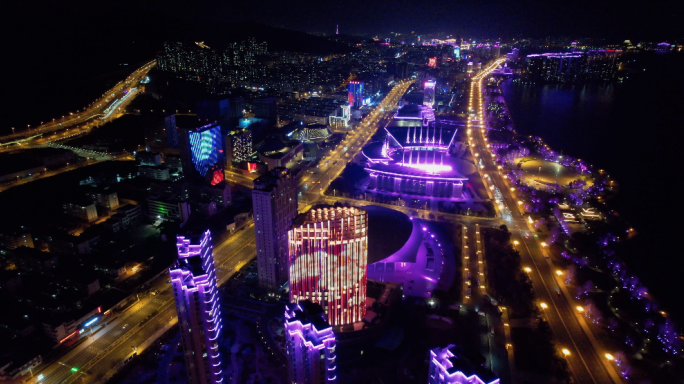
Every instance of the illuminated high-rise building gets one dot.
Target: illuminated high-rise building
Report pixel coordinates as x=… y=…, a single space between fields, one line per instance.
x=239 y=146
x=310 y=345
x=355 y=93
x=274 y=205
x=447 y=366
x=195 y=290
x=201 y=154
x=266 y=108
x=429 y=92
x=328 y=256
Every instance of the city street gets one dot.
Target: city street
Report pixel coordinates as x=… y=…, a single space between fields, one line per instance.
x=586 y=363
x=111 y=345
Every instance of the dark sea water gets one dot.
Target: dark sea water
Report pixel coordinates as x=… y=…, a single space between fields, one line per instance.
x=633 y=130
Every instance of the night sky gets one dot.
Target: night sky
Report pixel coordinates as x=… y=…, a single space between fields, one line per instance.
x=30 y=20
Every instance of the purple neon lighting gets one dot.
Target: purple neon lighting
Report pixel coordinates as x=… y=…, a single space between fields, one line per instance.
x=442 y=364
x=194 y=283
x=306 y=344
x=375 y=172
x=429 y=168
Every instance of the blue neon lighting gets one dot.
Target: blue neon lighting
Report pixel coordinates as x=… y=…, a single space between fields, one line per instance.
x=204 y=146
x=91 y=322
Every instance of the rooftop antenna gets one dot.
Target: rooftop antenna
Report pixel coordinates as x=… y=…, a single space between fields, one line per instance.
x=337 y=29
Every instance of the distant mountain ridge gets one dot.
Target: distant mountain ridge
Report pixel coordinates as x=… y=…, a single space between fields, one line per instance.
x=278 y=39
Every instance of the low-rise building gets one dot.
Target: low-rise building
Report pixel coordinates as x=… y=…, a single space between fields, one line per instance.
x=83 y=210
x=159 y=208
x=148 y=158
x=159 y=172
x=103 y=197
x=16 y=239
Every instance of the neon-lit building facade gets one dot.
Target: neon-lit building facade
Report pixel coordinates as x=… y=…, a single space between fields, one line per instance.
x=195 y=291
x=310 y=345
x=448 y=367
x=355 y=93
x=202 y=154
x=429 y=93
x=328 y=252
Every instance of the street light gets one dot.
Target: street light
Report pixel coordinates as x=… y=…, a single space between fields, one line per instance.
x=580 y=309
x=566 y=352
x=543 y=305
x=609 y=357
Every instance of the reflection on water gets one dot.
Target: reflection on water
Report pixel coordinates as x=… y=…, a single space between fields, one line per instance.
x=628 y=129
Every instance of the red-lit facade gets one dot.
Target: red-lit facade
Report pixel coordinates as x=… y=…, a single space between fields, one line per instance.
x=328 y=252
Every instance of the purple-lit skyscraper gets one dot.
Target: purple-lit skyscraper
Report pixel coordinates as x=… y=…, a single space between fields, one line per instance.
x=448 y=367
x=355 y=93
x=429 y=92
x=195 y=290
x=310 y=345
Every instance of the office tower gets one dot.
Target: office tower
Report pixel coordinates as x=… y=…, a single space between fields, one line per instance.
x=513 y=55
x=448 y=366
x=195 y=291
x=274 y=202
x=429 y=92
x=266 y=108
x=213 y=110
x=355 y=93
x=310 y=345
x=239 y=146
x=171 y=131
x=236 y=107
x=201 y=154
x=328 y=257
x=402 y=70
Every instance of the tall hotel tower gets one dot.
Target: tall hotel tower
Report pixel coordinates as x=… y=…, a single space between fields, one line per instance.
x=328 y=257
x=196 y=293
x=310 y=345
x=447 y=366
x=429 y=92
x=274 y=204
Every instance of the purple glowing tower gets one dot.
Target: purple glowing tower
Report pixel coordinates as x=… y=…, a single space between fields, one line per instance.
x=195 y=290
x=310 y=344
x=448 y=367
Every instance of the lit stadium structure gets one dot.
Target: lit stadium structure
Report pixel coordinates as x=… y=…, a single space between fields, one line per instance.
x=414 y=159
x=328 y=252
x=196 y=293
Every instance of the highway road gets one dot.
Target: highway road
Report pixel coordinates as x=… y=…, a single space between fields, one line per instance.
x=69 y=167
x=106 y=108
x=111 y=345
x=585 y=362
x=315 y=181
